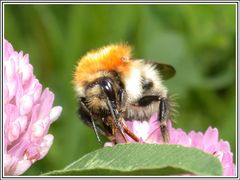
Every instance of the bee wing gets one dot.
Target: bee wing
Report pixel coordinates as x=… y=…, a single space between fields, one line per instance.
x=167 y=71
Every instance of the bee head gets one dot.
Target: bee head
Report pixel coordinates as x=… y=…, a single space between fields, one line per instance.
x=96 y=77
x=104 y=95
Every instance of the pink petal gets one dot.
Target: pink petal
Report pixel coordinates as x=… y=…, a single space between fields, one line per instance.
x=12 y=88
x=108 y=144
x=11 y=112
x=219 y=155
x=181 y=138
x=129 y=124
x=27 y=72
x=154 y=133
x=153 y=121
x=37 y=91
x=211 y=149
x=154 y=136
x=37 y=129
x=210 y=138
x=55 y=113
x=26 y=58
x=22 y=120
x=34 y=117
x=46 y=103
x=33 y=153
x=33 y=88
x=120 y=140
x=224 y=146
x=21 y=61
x=26 y=104
x=196 y=139
x=8 y=50
x=19 y=148
x=11 y=128
x=174 y=136
x=227 y=158
x=9 y=69
x=20 y=92
x=45 y=145
x=5 y=95
x=7 y=163
x=141 y=129
x=229 y=170
x=21 y=167
x=14 y=132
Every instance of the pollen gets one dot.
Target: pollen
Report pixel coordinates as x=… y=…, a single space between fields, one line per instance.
x=107 y=58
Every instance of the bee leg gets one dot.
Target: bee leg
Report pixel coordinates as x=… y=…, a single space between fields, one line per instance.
x=162 y=116
x=162 y=113
x=116 y=121
x=86 y=116
x=130 y=134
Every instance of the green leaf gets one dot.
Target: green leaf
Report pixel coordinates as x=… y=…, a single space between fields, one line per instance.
x=144 y=159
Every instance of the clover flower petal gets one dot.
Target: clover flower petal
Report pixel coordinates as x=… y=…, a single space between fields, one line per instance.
x=28 y=113
x=149 y=132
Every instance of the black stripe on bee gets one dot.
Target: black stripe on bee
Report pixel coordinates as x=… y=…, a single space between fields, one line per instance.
x=147 y=100
x=146 y=84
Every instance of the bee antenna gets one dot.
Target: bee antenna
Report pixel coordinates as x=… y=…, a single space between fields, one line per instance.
x=92 y=123
x=96 y=133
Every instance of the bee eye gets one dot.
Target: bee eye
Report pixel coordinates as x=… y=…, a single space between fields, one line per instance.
x=107 y=86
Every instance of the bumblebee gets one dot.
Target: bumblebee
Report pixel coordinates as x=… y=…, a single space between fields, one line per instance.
x=112 y=87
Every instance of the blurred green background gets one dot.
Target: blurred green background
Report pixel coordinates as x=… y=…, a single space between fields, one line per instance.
x=198 y=40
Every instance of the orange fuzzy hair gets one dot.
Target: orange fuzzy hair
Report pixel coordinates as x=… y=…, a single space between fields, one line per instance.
x=111 y=57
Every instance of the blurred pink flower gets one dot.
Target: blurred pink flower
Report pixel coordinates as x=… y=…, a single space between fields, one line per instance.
x=28 y=113
x=149 y=132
